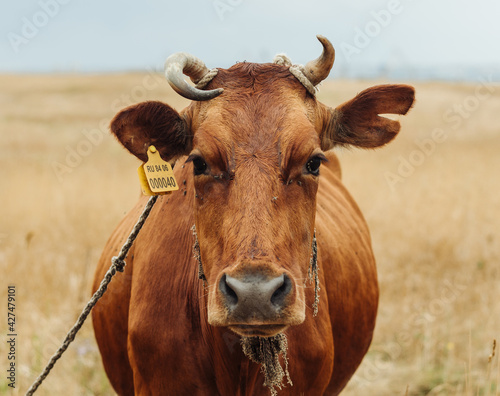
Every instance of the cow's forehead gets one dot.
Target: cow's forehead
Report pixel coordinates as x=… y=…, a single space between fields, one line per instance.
x=264 y=110
x=240 y=133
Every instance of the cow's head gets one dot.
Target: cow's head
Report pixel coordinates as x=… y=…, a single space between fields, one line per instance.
x=256 y=137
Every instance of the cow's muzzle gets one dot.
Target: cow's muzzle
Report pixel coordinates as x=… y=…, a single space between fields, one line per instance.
x=255 y=299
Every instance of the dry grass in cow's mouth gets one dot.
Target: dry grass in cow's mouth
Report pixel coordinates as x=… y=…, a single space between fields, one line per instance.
x=266 y=351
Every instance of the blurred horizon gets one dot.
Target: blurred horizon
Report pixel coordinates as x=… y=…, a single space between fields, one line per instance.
x=395 y=39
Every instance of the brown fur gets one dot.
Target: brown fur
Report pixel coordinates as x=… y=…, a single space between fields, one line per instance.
x=255 y=211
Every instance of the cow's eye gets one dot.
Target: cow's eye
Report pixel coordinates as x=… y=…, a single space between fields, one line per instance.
x=313 y=164
x=199 y=164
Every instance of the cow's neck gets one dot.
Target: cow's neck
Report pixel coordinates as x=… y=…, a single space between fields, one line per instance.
x=244 y=380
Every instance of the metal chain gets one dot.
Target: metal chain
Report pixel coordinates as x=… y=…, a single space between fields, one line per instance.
x=117 y=264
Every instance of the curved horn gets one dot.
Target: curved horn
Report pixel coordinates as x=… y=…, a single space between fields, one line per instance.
x=181 y=63
x=317 y=70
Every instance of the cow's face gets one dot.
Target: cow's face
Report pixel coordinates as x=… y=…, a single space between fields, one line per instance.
x=256 y=157
x=256 y=153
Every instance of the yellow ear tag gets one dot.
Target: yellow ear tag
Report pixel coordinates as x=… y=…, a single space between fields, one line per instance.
x=156 y=176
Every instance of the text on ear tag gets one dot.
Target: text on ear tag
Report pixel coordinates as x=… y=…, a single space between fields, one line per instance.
x=156 y=176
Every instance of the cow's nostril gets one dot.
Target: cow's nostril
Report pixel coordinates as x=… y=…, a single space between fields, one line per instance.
x=282 y=292
x=230 y=295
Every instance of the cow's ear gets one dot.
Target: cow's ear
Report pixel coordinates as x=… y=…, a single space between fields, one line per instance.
x=358 y=122
x=152 y=123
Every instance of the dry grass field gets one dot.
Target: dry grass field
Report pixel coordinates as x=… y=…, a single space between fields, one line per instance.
x=432 y=199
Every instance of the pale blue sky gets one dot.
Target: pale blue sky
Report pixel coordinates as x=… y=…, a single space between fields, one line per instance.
x=111 y=35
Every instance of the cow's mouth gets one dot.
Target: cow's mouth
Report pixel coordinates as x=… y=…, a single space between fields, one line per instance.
x=258 y=330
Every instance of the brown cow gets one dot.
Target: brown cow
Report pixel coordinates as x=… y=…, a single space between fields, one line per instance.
x=255 y=138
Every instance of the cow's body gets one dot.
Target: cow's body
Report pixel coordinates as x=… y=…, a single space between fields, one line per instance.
x=252 y=187
x=173 y=350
